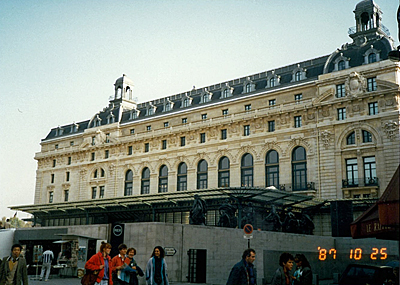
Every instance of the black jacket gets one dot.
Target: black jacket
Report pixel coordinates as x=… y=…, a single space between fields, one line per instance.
x=238 y=275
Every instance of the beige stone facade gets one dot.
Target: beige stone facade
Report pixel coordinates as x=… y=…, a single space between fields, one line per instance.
x=101 y=156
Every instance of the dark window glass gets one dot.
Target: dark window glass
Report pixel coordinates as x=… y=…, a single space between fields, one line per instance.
x=341 y=65
x=272 y=169
x=371 y=84
x=246 y=130
x=341 y=113
x=223 y=134
x=351 y=138
x=271 y=126
x=223 y=172
x=101 y=194
x=373 y=108
x=183 y=141
x=247 y=170
x=145 y=187
x=163 y=179
x=164 y=144
x=128 y=183
x=202 y=137
x=146 y=147
x=367 y=136
x=299 y=169
x=94 y=192
x=297 y=121
x=340 y=91
x=202 y=174
x=66 y=195
x=371 y=58
x=369 y=170
x=182 y=177
x=352 y=172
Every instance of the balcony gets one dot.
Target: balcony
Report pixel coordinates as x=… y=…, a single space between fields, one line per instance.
x=297 y=186
x=360 y=182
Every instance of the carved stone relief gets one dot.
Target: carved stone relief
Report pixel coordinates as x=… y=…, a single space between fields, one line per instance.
x=355 y=85
x=391 y=129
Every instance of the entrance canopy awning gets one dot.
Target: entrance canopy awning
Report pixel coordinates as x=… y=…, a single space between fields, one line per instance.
x=268 y=195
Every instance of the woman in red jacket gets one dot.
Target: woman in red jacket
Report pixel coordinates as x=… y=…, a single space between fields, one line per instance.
x=101 y=261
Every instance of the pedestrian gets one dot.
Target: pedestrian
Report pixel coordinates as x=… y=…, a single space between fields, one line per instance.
x=101 y=261
x=13 y=269
x=303 y=274
x=244 y=272
x=48 y=257
x=131 y=252
x=156 y=269
x=282 y=274
x=118 y=263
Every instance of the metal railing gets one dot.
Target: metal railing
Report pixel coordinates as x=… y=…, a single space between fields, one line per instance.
x=360 y=182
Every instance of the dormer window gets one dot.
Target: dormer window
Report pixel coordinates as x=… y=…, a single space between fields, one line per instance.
x=299 y=73
x=371 y=55
x=272 y=80
x=134 y=114
x=74 y=128
x=110 y=118
x=97 y=121
x=186 y=101
x=205 y=96
x=150 y=109
x=168 y=105
x=226 y=91
x=59 y=131
x=248 y=85
x=341 y=63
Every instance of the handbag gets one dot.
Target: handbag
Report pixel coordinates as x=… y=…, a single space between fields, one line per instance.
x=90 y=277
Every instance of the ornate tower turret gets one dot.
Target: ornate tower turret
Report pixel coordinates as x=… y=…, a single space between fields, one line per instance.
x=123 y=93
x=369 y=26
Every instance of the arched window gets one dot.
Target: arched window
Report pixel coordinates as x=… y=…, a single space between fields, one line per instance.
x=182 y=177
x=367 y=136
x=351 y=139
x=102 y=172
x=248 y=87
x=185 y=102
x=145 y=187
x=202 y=176
x=163 y=179
x=299 y=169
x=247 y=171
x=272 y=169
x=95 y=173
x=205 y=98
x=372 y=57
x=297 y=76
x=128 y=183
x=223 y=172
x=341 y=65
x=225 y=93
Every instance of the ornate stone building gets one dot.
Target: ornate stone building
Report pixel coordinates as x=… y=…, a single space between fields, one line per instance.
x=327 y=128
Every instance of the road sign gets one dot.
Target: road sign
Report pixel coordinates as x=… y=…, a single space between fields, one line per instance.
x=248 y=229
x=170 y=251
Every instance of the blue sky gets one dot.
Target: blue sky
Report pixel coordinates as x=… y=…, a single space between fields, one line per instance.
x=59 y=59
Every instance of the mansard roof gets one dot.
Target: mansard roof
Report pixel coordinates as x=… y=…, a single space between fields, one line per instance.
x=374 y=39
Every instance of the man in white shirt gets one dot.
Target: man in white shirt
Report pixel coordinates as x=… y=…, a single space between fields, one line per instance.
x=48 y=257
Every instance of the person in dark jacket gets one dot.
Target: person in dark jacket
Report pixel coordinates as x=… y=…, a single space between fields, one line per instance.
x=303 y=271
x=131 y=252
x=244 y=272
x=13 y=269
x=282 y=274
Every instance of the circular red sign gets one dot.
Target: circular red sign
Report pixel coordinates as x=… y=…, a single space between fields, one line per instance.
x=248 y=229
